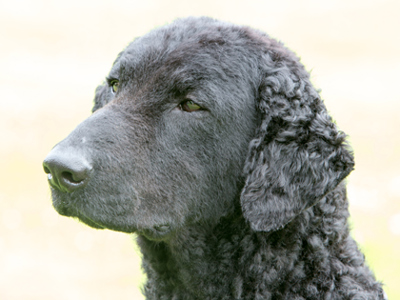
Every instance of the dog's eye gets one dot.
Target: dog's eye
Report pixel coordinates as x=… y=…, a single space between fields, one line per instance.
x=189 y=106
x=114 y=86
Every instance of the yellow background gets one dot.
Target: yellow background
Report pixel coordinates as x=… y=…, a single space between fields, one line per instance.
x=54 y=53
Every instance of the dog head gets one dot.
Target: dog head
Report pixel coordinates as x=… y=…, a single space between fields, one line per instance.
x=168 y=141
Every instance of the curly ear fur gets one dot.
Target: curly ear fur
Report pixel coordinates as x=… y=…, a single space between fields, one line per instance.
x=298 y=154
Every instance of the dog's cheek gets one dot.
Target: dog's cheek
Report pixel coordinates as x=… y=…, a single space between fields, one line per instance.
x=198 y=162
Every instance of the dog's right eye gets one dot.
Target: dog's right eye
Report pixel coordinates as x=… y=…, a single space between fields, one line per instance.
x=114 y=86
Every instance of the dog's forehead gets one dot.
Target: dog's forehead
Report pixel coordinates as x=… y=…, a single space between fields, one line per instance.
x=166 y=39
x=190 y=40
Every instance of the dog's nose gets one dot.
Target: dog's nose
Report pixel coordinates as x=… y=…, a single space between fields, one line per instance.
x=66 y=171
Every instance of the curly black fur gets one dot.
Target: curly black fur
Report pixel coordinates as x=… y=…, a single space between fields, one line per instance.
x=241 y=199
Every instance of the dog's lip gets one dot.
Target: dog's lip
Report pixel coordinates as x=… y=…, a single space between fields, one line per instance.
x=162 y=228
x=156 y=233
x=90 y=222
x=73 y=212
x=69 y=209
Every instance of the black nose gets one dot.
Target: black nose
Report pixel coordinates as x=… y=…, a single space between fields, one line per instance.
x=66 y=171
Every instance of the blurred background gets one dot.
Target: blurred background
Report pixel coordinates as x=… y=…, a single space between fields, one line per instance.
x=54 y=53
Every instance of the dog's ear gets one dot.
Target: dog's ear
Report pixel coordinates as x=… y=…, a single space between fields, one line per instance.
x=297 y=156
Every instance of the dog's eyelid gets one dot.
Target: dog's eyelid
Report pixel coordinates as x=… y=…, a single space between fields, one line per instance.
x=190 y=97
x=110 y=80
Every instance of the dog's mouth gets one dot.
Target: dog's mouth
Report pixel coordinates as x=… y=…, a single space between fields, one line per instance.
x=90 y=222
x=75 y=213
x=75 y=208
x=157 y=233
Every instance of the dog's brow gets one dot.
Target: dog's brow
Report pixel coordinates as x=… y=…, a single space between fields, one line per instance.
x=114 y=73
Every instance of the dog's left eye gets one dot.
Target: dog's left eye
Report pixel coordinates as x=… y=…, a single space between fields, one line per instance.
x=114 y=86
x=189 y=106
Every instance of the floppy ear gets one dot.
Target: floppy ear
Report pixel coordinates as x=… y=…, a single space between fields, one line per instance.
x=298 y=154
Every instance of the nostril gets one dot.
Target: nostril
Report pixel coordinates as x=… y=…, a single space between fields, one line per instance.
x=70 y=177
x=46 y=170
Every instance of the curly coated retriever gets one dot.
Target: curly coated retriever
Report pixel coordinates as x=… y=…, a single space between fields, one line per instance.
x=208 y=140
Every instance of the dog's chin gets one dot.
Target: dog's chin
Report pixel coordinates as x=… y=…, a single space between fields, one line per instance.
x=90 y=223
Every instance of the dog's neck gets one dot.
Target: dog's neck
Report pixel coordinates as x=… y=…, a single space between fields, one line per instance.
x=231 y=260
x=198 y=262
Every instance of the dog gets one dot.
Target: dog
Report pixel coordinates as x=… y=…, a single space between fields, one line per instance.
x=209 y=141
